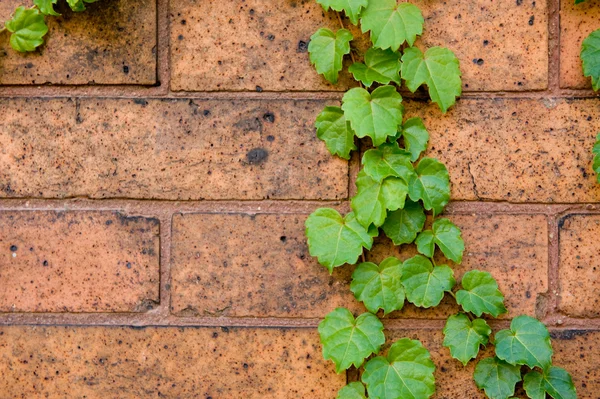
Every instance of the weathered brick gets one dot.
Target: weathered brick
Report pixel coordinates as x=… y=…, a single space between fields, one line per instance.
x=577 y=21
x=579 y=269
x=579 y=353
x=501 y=45
x=166 y=149
x=251 y=265
x=77 y=262
x=109 y=43
x=100 y=362
x=513 y=248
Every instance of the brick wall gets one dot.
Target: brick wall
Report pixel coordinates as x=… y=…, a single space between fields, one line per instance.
x=157 y=163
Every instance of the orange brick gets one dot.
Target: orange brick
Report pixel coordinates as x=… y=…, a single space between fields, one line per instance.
x=243 y=265
x=109 y=43
x=579 y=270
x=78 y=262
x=166 y=149
x=100 y=362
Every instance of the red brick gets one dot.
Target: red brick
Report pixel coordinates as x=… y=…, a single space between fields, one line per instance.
x=101 y=362
x=109 y=43
x=78 y=262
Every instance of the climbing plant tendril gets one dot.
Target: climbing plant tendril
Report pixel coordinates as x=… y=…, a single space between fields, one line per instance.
x=396 y=188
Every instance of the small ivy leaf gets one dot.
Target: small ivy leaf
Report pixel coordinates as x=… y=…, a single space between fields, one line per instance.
x=527 y=342
x=352 y=8
x=402 y=226
x=589 y=57
x=377 y=114
x=480 y=294
x=497 y=378
x=373 y=231
x=381 y=66
x=448 y=238
x=76 y=5
x=388 y=160
x=425 y=243
x=556 y=382
x=335 y=131
x=379 y=287
x=334 y=240
x=425 y=284
x=431 y=183
x=438 y=68
x=326 y=51
x=406 y=372
x=596 y=152
x=392 y=24
x=354 y=390
x=415 y=136
x=28 y=28
x=348 y=341
x=464 y=337
x=373 y=199
x=46 y=6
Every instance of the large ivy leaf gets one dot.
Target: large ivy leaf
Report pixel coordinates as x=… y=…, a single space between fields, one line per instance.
x=527 y=342
x=464 y=337
x=388 y=160
x=28 y=28
x=379 y=287
x=352 y=8
x=335 y=131
x=46 y=6
x=430 y=184
x=373 y=198
x=406 y=372
x=556 y=382
x=381 y=66
x=425 y=284
x=497 y=378
x=596 y=152
x=448 y=238
x=376 y=114
x=348 y=341
x=402 y=226
x=335 y=240
x=326 y=51
x=480 y=294
x=392 y=24
x=354 y=390
x=438 y=68
x=415 y=136
x=590 y=58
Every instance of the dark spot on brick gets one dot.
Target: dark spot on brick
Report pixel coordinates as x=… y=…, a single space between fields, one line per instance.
x=486 y=42
x=257 y=155
x=180 y=37
x=29 y=65
x=245 y=365
x=140 y=101
x=206 y=112
x=567 y=334
x=125 y=69
x=270 y=138
x=183 y=22
x=519 y=2
x=128 y=265
x=528 y=294
x=283 y=238
x=259 y=89
x=269 y=117
x=13 y=248
x=302 y=47
x=531 y=19
x=479 y=61
x=271 y=37
x=45 y=263
x=215 y=335
x=225 y=329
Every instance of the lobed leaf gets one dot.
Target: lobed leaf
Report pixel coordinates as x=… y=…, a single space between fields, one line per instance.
x=596 y=152
x=379 y=287
x=354 y=390
x=431 y=183
x=381 y=66
x=402 y=226
x=348 y=341
x=527 y=342
x=448 y=238
x=373 y=198
x=497 y=378
x=335 y=131
x=326 y=51
x=352 y=8
x=590 y=58
x=46 y=6
x=425 y=284
x=464 y=337
x=28 y=28
x=425 y=243
x=556 y=382
x=415 y=136
x=388 y=160
x=480 y=294
x=392 y=24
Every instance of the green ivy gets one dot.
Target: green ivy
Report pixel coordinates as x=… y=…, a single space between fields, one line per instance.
x=396 y=187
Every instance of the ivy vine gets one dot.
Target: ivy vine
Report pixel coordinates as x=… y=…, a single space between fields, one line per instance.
x=396 y=188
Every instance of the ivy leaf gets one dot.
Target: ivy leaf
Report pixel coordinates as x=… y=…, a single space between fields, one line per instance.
x=348 y=341
x=326 y=51
x=335 y=131
x=590 y=48
x=438 y=68
x=497 y=378
x=425 y=243
x=28 y=28
x=448 y=238
x=352 y=8
x=392 y=24
x=402 y=226
x=374 y=198
x=46 y=6
x=388 y=160
x=480 y=294
x=379 y=287
x=425 y=284
x=406 y=372
x=464 y=337
x=335 y=240
x=381 y=66
x=354 y=390
x=430 y=184
x=596 y=152
x=377 y=114
x=415 y=136
x=527 y=342
x=555 y=382
x=76 y=5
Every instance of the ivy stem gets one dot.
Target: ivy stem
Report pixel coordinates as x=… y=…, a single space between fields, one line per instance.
x=362 y=255
x=339 y=15
x=452 y=294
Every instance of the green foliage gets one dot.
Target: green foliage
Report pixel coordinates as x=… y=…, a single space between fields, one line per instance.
x=464 y=337
x=46 y=6
x=402 y=226
x=335 y=131
x=590 y=58
x=431 y=183
x=527 y=342
x=392 y=24
x=555 y=382
x=379 y=287
x=28 y=29
x=381 y=66
x=406 y=372
x=480 y=294
x=79 y=5
x=497 y=378
x=354 y=390
x=352 y=8
x=374 y=198
x=425 y=284
x=415 y=137
x=327 y=50
x=388 y=160
x=348 y=341
x=446 y=236
x=596 y=152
